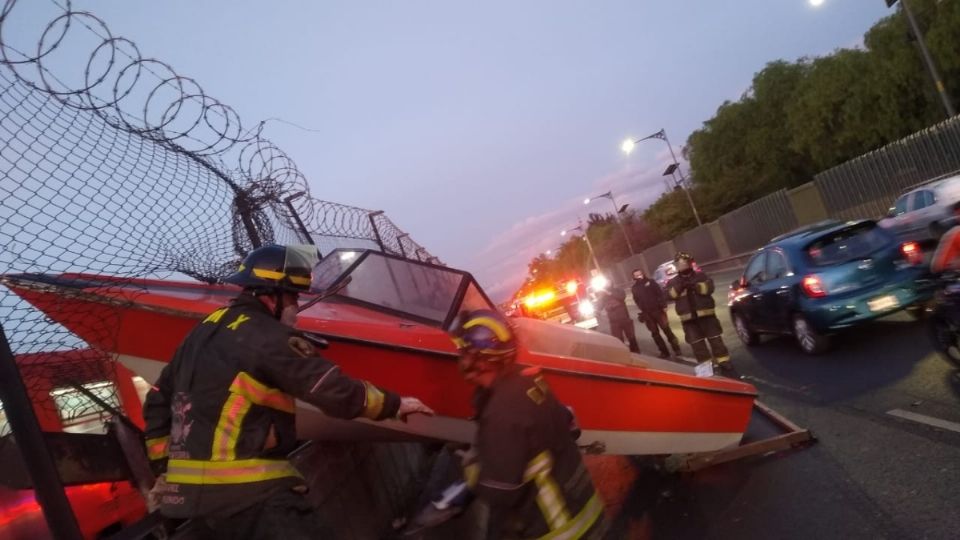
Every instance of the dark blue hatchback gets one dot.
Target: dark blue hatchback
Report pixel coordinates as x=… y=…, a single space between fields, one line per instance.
x=820 y=279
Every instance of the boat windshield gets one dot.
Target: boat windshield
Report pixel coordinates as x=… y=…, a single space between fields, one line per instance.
x=415 y=290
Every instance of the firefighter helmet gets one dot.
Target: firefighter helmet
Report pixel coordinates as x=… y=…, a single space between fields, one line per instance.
x=274 y=268
x=683 y=255
x=485 y=332
x=683 y=262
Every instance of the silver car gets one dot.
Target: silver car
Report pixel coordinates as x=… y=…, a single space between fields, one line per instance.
x=664 y=273
x=925 y=213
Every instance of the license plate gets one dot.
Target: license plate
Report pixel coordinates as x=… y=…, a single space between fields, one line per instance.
x=883 y=303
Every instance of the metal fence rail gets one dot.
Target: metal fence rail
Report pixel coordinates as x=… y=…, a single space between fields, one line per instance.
x=698 y=242
x=753 y=225
x=658 y=254
x=867 y=186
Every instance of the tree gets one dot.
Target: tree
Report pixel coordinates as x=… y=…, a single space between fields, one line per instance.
x=799 y=118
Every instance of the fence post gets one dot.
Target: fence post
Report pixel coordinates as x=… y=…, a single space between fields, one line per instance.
x=296 y=216
x=376 y=232
x=243 y=208
x=47 y=486
x=403 y=252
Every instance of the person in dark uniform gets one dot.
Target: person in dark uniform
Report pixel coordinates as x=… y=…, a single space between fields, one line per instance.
x=652 y=304
x=692 y=292
x=526 y=466
x=220 y=419
x=614 y=303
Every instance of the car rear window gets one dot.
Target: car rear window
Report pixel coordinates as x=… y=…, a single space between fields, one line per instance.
x=847 y=244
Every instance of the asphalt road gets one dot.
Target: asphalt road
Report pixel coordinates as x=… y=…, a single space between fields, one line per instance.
x=871 y=474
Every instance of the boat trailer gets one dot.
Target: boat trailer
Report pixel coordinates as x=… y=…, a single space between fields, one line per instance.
x=789 y=436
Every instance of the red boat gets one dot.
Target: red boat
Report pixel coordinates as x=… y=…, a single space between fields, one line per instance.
x=384 y=322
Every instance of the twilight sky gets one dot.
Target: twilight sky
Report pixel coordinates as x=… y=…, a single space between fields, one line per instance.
x=479 y=127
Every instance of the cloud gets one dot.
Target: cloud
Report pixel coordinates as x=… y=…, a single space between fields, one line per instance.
x=502 y=264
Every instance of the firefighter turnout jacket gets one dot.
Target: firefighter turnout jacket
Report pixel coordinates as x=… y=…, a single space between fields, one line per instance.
x=530 y=472
x=220 y=419
x=693 y=295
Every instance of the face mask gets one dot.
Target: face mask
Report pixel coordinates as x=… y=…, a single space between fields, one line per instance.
x=683 y=265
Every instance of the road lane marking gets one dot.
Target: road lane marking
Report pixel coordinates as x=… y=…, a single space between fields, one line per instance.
x=924 y=419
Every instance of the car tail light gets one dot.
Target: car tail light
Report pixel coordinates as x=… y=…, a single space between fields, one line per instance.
x=813 y=286
x=912 y=253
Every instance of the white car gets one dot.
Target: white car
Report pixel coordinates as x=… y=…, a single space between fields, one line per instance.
x=926 y=212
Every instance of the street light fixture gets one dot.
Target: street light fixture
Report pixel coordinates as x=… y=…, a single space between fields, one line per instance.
x=593 y=254
x=617 y=211
x=628 y=146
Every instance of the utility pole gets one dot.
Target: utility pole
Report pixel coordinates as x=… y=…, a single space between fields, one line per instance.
x=927 y=59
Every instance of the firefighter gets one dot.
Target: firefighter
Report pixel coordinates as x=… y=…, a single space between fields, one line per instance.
x=614 y=303
x=692 y=292
x=527 y=467
x=652 y=304
x=220 y=420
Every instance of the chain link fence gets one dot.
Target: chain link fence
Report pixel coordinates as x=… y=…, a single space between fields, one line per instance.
x=112 y=163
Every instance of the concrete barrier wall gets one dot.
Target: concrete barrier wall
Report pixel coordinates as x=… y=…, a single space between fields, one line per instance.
x=807 y=204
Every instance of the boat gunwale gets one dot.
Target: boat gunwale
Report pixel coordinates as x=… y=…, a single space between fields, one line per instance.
x=70 y=291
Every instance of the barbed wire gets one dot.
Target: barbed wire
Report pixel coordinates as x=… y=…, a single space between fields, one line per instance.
x=175 y=111
x=129 y=169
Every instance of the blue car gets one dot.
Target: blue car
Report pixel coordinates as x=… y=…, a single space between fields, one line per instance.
x=820 y=279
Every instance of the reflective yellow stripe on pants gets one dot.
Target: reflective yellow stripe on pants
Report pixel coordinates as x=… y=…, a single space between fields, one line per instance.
x=240 y=471
x=549 y=498
x=580 y=524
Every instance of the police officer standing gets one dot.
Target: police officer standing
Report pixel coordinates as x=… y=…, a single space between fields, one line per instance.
x=652 y=304
x=614 y=303
x=528 y=468
x=692 y=292
x=220 y=419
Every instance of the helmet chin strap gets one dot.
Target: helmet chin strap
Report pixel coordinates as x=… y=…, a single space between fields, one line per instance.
x=278 y=304
x=276 y=296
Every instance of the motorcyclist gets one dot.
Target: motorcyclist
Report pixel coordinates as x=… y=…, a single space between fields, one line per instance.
x=692 y=292
x=220 y=419
x=652 y=304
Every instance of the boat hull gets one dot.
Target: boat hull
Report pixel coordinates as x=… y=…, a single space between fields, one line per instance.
x=626 y=409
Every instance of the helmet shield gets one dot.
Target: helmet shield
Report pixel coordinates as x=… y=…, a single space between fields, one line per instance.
x=276 y=268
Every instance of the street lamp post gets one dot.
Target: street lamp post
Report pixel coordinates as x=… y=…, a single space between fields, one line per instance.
x=586 y=237
x=628 y=146
x=927 y=59
x=616 y=214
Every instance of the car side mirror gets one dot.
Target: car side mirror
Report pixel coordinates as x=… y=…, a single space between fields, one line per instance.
x=891 y=212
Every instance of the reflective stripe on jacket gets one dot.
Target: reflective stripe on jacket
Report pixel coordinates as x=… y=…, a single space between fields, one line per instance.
x=693 y=295
x=220 y=419
x=531 y=473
